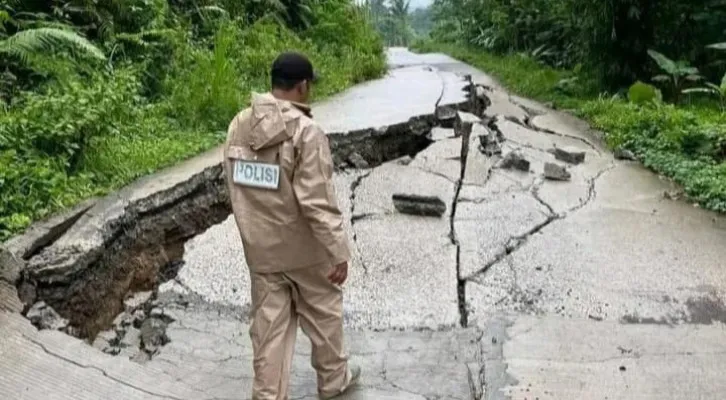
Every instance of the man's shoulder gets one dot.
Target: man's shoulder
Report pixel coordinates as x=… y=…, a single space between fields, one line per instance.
x=310 y=128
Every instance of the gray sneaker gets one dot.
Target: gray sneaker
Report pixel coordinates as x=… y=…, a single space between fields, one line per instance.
x=355 y=372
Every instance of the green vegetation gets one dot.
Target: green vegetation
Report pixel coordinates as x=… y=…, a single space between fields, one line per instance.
x=95 y=94
x=397 y=22
x=609 y=63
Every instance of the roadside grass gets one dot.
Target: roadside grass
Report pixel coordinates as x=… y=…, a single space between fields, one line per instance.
x=686 y=142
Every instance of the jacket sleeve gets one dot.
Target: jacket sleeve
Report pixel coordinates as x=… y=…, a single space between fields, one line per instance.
x=313 y=187
x=226 y=163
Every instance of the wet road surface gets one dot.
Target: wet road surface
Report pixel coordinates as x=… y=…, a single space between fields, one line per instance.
x=594 y=287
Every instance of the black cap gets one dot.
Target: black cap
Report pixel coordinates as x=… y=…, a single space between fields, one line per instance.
x=293 y=67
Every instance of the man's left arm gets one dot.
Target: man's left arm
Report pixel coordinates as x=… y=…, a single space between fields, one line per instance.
x=313 y=187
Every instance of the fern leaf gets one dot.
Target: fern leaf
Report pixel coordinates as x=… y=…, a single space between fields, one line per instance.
x=27 y=42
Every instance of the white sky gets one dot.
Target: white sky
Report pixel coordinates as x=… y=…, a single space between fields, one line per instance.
x=414 y=3
x=420 y=3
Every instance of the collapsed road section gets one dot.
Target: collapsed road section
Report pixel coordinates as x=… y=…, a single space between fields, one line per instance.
x=76 y=270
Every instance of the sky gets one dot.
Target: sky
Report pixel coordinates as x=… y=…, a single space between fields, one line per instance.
x=420 y=3
x=414 y=3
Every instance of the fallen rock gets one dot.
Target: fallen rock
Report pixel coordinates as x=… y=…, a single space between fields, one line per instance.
x=556 y=172
x=138 y=318
x=673 y=194
x=44 y=316
x=153 y=334
x=405 y=160
x=419 y=205
x=464 y=123
x=514 y=160
x=446 y=115
x=131 y=338
x=106 y=340
x=624 y=154
x=489 y=145
x=357 y=161
x=136 y=301
x=123 y=320
x=141 y=357
x=569 y=155
x=10 y=266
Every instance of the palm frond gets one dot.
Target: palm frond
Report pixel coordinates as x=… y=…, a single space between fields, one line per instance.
x=30 y=41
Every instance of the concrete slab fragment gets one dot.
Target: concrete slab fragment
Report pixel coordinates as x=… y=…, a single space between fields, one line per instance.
x=523 y=136
x=502 y=106
x=373 y=195
x=442 y=157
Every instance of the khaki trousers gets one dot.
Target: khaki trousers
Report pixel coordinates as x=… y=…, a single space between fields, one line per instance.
x=279 y=302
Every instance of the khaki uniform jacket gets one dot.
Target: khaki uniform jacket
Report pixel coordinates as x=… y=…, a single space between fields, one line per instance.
x=299 y=224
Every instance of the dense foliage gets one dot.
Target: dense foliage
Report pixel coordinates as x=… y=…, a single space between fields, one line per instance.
x=397 y=22
x=610 y=38
x=97 y=93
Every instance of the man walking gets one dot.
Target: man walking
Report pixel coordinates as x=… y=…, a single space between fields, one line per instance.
x=279 y=172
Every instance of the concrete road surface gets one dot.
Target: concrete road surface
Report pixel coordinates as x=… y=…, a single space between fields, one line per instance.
x=598 y=286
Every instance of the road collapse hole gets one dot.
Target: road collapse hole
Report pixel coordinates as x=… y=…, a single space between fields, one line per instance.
x=111 y=300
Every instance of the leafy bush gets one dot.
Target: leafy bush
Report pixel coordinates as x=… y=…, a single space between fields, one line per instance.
x=174 y=75
x=610 y=37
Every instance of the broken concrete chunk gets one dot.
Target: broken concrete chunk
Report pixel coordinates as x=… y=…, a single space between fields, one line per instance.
x=153 y=334
x=105 y=340
x=464 y=123
x=446 y=115
x=139 y=317
x=515 y=160
x=419 y=205
x=556 y=172
x=489 y=145
x=405 y=160
x=156 y=312
x=10 y=266
x=122 y=320
x=45 y=317
x=137 y=300
x=131 y=338
x=569 y=155
x=624 y=154
x=357 y=161
x=479 y=129
x=141 y=357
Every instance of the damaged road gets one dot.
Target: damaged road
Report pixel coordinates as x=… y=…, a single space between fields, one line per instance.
x=477 y=273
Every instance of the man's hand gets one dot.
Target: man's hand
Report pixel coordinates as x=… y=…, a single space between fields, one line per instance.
x=339 y=273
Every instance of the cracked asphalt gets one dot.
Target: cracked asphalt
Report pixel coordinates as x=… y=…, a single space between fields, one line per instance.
x=598 y=287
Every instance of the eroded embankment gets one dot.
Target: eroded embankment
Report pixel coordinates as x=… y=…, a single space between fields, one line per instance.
x=84 y=264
